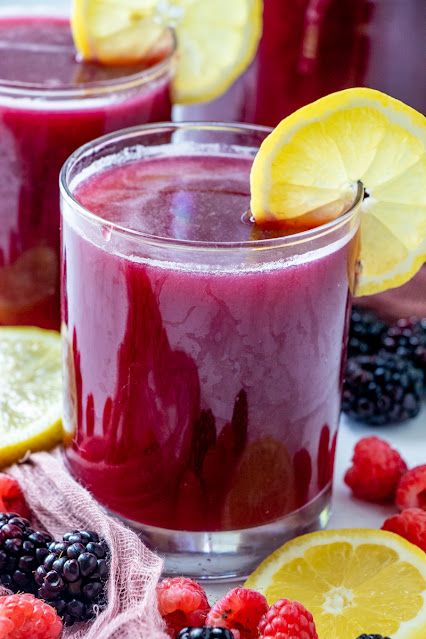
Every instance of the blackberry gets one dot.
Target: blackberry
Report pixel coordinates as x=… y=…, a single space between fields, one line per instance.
x=205 y=632
x=22 y=549
x=372 y=637
x=73 y=575
x=366 y=331
x=407 y=338
x=381 y=389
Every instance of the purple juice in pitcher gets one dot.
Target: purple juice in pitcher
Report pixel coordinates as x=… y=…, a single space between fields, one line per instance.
x=203 y=355
x=310 y=48
x=50 y=104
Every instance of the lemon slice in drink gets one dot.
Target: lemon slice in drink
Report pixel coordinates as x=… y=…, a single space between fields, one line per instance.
x=30 y=392
x=352 y=581
x=262 y=485
x=216 y=39
x=315 y=155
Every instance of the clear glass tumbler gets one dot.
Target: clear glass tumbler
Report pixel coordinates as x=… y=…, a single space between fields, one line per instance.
x=50 y=104
x=203 y=355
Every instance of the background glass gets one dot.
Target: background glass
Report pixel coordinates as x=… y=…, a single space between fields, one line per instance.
x=311 y=48
x=49 y=105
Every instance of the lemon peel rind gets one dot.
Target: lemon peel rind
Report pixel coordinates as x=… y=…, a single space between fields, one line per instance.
x=392 y=113
x=354 y=536
x=44 y=440
x=253 y=34
x=410 y=629
x=104 y=45
x=395 y=110
x=45 y=430
x=398 y=276
x=79 y=32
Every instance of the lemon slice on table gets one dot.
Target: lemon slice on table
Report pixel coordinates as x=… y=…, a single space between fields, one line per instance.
x=352 y=581
x=216 y=39
x=315 y=155
x=30 y=392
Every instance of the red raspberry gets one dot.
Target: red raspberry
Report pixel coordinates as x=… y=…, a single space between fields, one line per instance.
x=411 y=490
x=12 y=499
x=240 y=611
x=376 y=470
x=287 y=620
x=410 y=524
x=24 y=616
x=182 y=602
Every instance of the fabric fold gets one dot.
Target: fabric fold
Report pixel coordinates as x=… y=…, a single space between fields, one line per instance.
x=59 y=505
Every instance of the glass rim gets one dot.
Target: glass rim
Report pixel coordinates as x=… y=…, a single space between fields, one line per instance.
x=34 y=90
x=175 y=243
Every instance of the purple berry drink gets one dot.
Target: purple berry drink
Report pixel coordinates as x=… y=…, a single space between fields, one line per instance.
x=203 y=354
x=310 y=48
x=50 y=104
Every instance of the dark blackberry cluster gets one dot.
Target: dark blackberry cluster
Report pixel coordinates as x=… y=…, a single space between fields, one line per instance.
x=22 y=549
x=380 y=389
x=372 y=637
x=407 y=339
x=366 y=332
x=70 y=574
x=386 y=369
x=205 y=632
x=73 y=575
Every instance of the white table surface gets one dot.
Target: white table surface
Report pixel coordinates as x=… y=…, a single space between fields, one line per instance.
x=408 y=438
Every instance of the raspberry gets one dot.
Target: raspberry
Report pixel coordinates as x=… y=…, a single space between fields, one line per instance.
x=182 y=602
x=12 y=499
x=410 y=524
x=73 y=575
x=205 y=632
x=376 y=470
x=240 y=611
x=24 y=616
x=287 y=620
x=411 y=490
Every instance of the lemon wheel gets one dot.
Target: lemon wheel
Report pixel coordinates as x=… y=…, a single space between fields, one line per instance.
x=315 y=156
x=216 y=39
x=353 y=581
x=30 y=392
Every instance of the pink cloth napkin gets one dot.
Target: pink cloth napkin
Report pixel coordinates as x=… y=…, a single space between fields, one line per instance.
x=60 y=505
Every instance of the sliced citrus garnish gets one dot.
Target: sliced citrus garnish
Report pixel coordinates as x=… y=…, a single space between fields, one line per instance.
x=30 y=392
x=262 y=486
x=216 y=39
x=352 y=581
x=114 y=31
x=315 y=156
x=28 y=284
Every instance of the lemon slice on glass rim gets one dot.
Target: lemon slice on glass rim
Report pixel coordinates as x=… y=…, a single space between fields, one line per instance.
x=315 y=156
x=353 y=581
x=216 y=39
x=30 y=392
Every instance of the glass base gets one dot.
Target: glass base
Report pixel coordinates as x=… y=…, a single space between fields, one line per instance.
x=230 y=555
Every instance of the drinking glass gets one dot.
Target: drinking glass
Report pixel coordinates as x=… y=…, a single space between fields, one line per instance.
x=50 y=104
x=203 y=355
